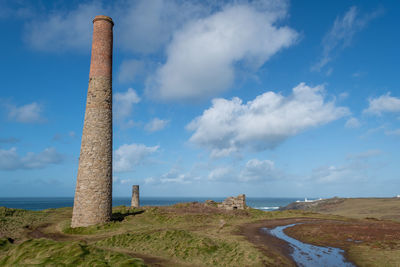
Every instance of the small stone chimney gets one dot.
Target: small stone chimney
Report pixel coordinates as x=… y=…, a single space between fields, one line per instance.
x=93 y=194
x=135 y=197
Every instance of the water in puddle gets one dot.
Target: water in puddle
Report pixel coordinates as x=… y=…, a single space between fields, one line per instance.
x=309 y=255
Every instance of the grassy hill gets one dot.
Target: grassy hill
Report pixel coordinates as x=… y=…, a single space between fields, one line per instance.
x=379 y=208
x=194 y=234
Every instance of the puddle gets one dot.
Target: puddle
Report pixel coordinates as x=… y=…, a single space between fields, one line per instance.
x=309 y=255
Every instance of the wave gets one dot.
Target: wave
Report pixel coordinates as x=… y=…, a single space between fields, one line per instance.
x=266 y=208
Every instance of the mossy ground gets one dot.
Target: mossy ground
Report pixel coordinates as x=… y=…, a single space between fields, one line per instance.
x=188 y=234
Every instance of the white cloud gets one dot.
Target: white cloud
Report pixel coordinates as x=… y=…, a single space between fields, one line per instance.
x=10 y=160
x=393 y=132
x=257 y=170
x=174 y=176
x=156 y=125
x=130 y=70
x=15 y=9
x=29 y=113
x=384 y=103
x=71 y=29
x=150 y=180
x=329 y=174
x=229 y=125
x=365 y=155
x=123 y=104
x=201 y=57
x=341 y=34
x=158 y=20
x=119 y=181
x=126 y=157
x=64 y=138
x=223 y=173
x=358 y=167
x=343 y=95
x=359 y=74
x=63 y=30
x=353 y=123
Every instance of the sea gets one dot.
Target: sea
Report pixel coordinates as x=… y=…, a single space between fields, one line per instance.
x=41 y=203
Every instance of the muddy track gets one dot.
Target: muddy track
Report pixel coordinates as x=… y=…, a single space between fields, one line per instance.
x=271 y=245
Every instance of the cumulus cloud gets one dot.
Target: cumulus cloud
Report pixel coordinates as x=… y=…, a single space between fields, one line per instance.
x=263 y=123
x=157 y=19
x=204 y=41
x=352 y=123
x=174 y=176
x=10 y=160
x=383 y=103
x=71 y=29
x=63 y=30
x=341 y=34
x=29 y=113
x=223 y=173
x=257 y=170
x=123 y=104
x=126 y=157
x=156 y=124
x=201 y=57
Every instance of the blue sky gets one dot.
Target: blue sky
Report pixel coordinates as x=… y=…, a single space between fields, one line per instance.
x=267 y=98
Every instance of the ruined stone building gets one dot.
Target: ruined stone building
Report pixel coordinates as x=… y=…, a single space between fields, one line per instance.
x=234 y=203
x=93 y=194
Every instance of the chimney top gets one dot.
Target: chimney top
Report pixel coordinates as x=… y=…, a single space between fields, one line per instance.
x=102 y=17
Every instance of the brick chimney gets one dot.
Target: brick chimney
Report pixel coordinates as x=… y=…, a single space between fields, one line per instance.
x=93 y=194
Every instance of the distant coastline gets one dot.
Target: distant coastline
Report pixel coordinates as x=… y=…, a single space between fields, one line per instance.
x=41 y=203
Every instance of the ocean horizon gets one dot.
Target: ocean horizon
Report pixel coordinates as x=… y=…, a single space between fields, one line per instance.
x=41 y=203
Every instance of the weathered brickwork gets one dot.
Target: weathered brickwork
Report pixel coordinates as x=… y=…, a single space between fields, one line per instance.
x=135 y=197
x=233 y=203
x=93 y=195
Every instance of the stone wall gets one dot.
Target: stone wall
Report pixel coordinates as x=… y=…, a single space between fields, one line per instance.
x=233 y=203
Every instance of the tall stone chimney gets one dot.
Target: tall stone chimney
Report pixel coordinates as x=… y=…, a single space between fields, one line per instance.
x=135 y=197
x=93 y=195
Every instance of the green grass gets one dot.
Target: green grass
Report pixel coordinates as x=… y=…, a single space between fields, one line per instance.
x=186 y=234
x=43 y=252
x=188 y=247
x=360 y=208
x=15 y=222
x=374 y=257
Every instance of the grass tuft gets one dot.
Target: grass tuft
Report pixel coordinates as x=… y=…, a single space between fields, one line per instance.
x=45 y=252
x=187 y=247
